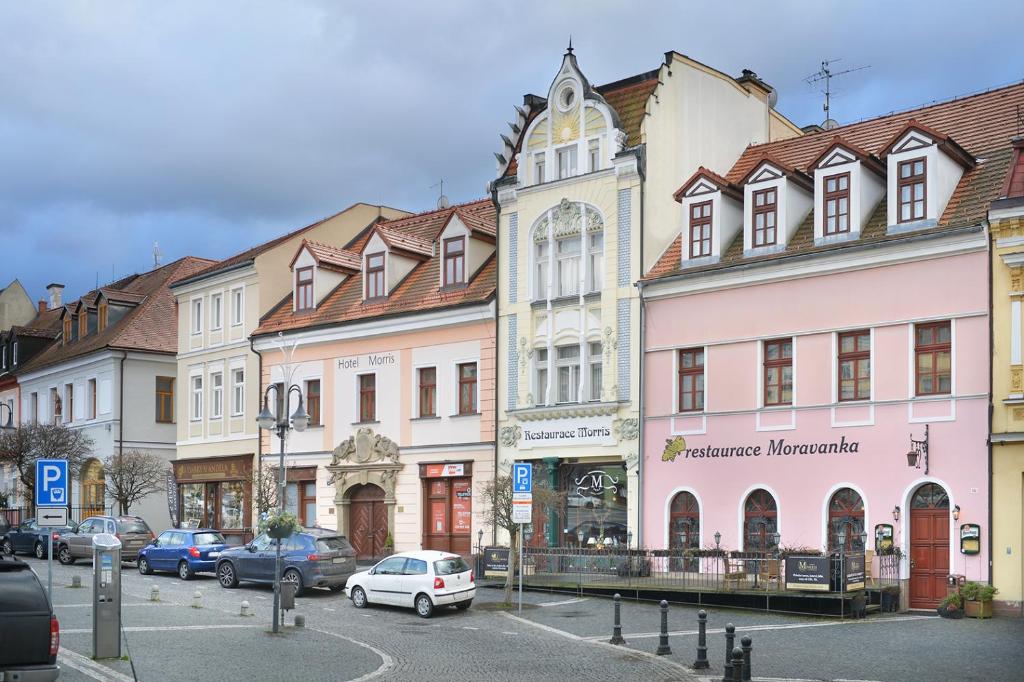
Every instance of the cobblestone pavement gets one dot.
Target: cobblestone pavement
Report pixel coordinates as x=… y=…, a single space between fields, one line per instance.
x=169 y=640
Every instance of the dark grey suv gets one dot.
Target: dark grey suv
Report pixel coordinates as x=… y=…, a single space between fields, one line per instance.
x=315 y=557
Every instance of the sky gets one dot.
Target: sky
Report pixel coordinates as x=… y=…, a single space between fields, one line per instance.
x=210 y=127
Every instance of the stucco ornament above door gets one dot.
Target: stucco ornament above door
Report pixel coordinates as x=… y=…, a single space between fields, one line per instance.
x=365 y=457
x=365 y=446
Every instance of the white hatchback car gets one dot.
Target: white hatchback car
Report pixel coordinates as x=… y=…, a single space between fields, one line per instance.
x=422 y=580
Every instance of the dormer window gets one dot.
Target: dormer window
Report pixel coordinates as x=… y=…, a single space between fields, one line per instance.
x=102 y=317
x=67 y=330
x=454 y=261
x=764 y=217
x=911 y=187
x=375 y=287
x=83 y=324
x=700 y=229
x=837 y=204
x=304 y=289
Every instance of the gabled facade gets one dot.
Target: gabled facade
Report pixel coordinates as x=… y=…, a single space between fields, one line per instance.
x=587 y=165
x=16 y=307
x=217 y=386
x=396 y=369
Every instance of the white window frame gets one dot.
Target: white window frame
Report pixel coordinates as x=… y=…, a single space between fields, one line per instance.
x=216 y=395
x=572 y=152
x=238 y=306
x=92 y=388
x=574 y=381
x=539 y=164
x=590 y=370
x=237 y=392
x=195 y=410
x=559 y=259
x=595 y=275
x=594 y=153
x=216 y=311
x=539 y=365
x=69 y=403
x=196 y=311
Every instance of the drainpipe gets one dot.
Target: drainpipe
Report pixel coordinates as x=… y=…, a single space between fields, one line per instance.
x=991 y=354
x=640 y=397
x=259 y=435
x=497 y=343
x=120 y=419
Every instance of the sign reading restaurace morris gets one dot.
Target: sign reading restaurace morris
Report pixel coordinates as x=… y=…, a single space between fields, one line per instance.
x=574 y=431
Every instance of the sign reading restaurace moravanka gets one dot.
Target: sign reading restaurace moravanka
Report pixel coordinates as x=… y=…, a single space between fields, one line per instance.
x=674 y=447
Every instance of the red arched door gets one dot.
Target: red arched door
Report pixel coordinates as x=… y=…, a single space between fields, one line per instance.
x=760 y=521
x=684 y=531
x=929 y=546
x=368 y=521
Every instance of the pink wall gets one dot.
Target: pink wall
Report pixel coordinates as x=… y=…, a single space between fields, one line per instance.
x=886 y=300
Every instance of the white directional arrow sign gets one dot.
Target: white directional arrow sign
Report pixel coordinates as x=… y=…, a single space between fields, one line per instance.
x=51 y=517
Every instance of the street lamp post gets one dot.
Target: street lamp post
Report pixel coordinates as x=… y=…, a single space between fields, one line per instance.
x=268 y=422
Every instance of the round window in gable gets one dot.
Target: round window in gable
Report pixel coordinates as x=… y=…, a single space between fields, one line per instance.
x=567 y=97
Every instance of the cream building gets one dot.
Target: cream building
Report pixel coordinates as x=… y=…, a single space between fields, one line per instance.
x=217 y=392
x=585 y=198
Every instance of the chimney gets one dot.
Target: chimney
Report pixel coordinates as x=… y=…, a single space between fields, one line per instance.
x=42 y=306
x=55 y=290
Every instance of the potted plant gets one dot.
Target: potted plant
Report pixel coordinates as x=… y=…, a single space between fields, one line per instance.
x=977 y=599
x=280 y=525
x=890 y=598
x=389 y=544
x=951 y=606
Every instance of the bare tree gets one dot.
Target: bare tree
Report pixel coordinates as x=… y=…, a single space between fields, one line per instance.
x=497 y=493
x=133 y=475
x=22 y=446
x=265 y=488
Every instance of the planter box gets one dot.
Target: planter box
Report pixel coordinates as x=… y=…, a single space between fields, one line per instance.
x=978 y=609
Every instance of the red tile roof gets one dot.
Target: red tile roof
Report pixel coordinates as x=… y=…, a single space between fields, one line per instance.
x=1013 y=188
x=397 y=240
x=329 y=256
x=419 y=291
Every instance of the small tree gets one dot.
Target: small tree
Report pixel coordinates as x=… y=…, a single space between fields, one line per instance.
x=497 y=494
x=265 y=488
x=133 y=475
x=22 y=446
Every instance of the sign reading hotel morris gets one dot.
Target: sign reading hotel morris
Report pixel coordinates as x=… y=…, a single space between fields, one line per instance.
x=575 y=431
x=676 y=448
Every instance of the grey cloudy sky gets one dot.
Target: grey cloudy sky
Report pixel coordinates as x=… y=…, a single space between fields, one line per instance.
x=212 y=126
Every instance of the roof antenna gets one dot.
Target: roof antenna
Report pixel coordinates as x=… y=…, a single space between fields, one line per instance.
x=442 y=200
x=825 y=74
x=157 y=254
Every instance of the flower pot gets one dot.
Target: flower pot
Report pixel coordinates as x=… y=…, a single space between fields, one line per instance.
x=978 y=609
x=890 y=601
x=280 y=532
x=947 y=612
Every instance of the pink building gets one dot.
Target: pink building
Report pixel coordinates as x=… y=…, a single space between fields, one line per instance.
x=826 y=302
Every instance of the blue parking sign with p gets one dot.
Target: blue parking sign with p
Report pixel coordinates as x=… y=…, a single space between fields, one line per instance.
x=522 y=478
x=51 y=482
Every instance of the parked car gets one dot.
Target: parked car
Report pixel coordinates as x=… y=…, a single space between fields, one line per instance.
x=132 y=531
x=421 y=580
x=29 y=538
x=315 y=557
x=28 y=629
x=187 y=551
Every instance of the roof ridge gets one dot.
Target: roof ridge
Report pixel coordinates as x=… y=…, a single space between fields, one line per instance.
x=635 y=79
x=423 y=214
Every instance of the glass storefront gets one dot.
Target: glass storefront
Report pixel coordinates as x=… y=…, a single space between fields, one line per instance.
x=594 y=511
x=214 y=493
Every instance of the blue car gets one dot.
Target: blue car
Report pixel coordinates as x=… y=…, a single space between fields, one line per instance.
x=185 y=551
x=30 y=538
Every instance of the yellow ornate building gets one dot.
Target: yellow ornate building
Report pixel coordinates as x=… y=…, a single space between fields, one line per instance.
x=1006 y=219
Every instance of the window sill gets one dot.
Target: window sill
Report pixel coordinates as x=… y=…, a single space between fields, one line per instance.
x=763 y=250
x=780 y=406
x=565 y=300
x=690 y=413
x=433 y=418
x=366 y=423
x=931 y=396
x=464 y=414
x=375 y=300
x=853 y=403
x=457 y=286
x=901 y=228
x=838 y=238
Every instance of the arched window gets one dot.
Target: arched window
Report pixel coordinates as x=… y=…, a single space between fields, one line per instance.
x=684 y=530
x=568 y=251
x=930 y=496
x=93 y=488
x=760 y=522
x=846 y=513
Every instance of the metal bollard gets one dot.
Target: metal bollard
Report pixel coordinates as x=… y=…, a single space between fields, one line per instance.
x=197 y=600
x=300 y=620
x=663 y=648
x=154 y=594
x=730 y=639
x=702 y=641
x=245 y=609
x=746 y=645
x=76 y=581
x=617 y=626
x=737 y=665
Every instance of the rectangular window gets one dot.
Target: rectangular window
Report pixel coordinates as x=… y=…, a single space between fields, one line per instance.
x=237 y=306
x=566 y=162
x=910 y=188
x=541 y=282
x=375 y=276
x=594 y=152
x=216 y=395
x=837 y=204
x=541 y=389
x=165 y=400
x=55 y=407
x=455 y=261
x=595 y=371
x=367 y=397
x=427 y=391
x=567 y=367
x=933 y=351
x=237 y=392
x=216 y=311
x=304 y=289
x=467 y=388
x=700 y=229
x=764 y=217
x=855 y=365
x=313 y=401
x=568 y=253
x=33 y=407
x=102 y=321
x=91 y=397
x=538 y=168
x=691 y=380
x=778 y=372
x=197 y=316
x=67 y=330
x=83 y=324
x=595 y=272
x=69 y=402
x=197 y=398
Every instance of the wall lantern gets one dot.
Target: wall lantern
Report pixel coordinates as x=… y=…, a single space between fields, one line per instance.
x=918 y=451
x=718 y=539
x=956 y=512
x=896 y=513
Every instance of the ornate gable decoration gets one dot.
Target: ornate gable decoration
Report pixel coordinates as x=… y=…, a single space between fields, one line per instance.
x=568 y=220
x=765 y=172
x=365 y=457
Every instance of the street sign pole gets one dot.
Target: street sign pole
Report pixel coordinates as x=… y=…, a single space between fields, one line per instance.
x=49 y=566
x=520 y=569
x=522 y=510
x=51 y=491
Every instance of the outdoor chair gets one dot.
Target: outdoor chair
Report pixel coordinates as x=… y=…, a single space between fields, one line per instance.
x=869 y=561
x=735 y=573
x=769 y=572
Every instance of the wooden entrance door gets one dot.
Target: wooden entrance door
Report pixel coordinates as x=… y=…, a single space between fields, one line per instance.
x=368 y=521
x=929 y=546
x=448 y=518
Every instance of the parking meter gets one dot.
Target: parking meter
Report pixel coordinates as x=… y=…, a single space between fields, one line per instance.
x=106 y=596
x=288 y=590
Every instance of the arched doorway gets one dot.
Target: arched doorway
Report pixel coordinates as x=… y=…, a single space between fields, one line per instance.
x=929 y=546
x=368 y=521
x=846 y=513
x=760 y=522
x=93 y=489
x=684 y=530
